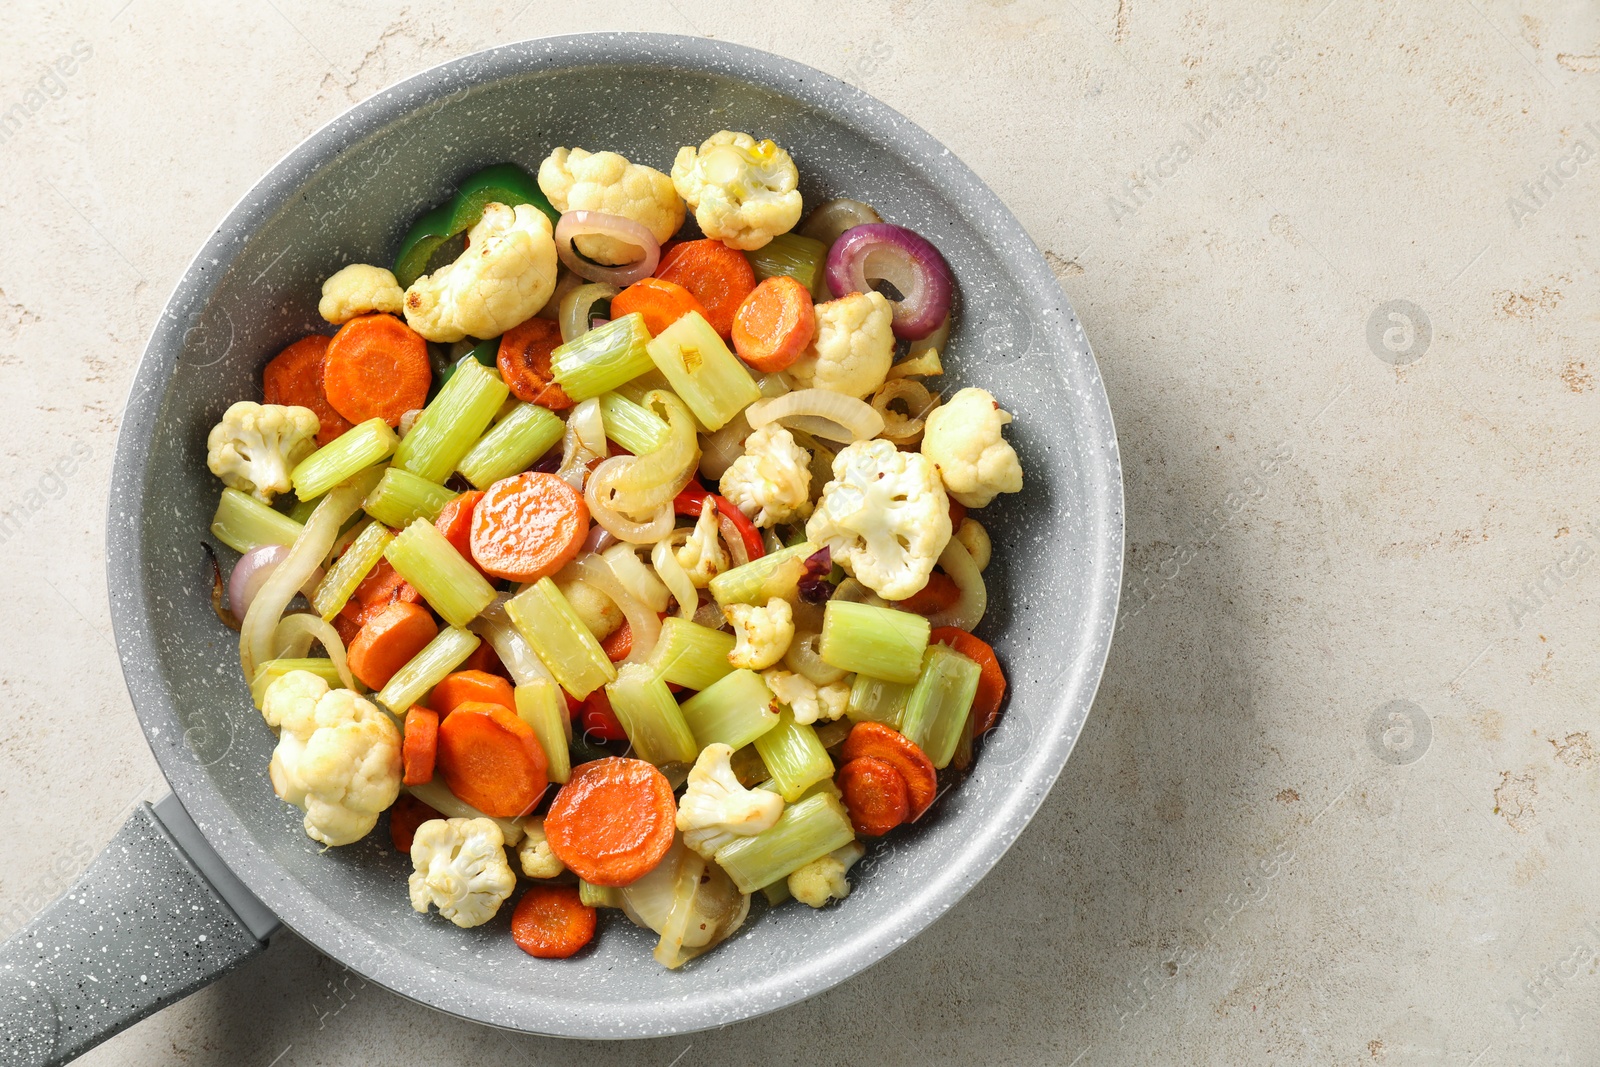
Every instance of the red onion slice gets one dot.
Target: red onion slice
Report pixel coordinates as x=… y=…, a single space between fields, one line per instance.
x=575 y=224
x=881 y=251
x=252 y=572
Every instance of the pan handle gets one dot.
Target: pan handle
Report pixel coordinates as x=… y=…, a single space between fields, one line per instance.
x=154 y=917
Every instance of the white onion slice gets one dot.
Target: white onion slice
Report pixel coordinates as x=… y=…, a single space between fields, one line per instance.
x=293 y=637
x=575 y=224
x=820 y=412
x=640 y=581
x=641 y=620
x=967 y=612
x=804 y=659
x=675 y=578
x=522 y=663
x=578 y=305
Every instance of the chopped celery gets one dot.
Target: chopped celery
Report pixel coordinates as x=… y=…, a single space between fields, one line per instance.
x=776 y=574
x=707 y=377
x=602 y=359
x=776 y=893
x=451 y=586
x=794 y=756
x=401 y=496
x=524 y=435
x=437 y=796
x=354 y=564
x=427 y=669
x=302 y=509
x=805 y=831
x=350 y=453
x=242 y=522
x=562 y=642
x=541 y=706
x=274 y=669
x=938 y=705
x=881 y=642
x=789 y=254
x=451 y=423
x=691 y=655
x=735 y=710
x=598 y=896
x=633 y=426
x=875 y=700
x=650 y=716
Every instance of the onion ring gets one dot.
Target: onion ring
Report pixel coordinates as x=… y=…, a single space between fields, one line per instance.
x=819 y=412
x=880 y=251
x=575 y=224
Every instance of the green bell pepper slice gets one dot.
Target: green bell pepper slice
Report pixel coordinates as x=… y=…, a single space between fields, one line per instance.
x=503 y=183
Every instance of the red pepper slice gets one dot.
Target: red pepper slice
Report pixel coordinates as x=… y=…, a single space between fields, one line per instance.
x=596 y=719
x=693 y=500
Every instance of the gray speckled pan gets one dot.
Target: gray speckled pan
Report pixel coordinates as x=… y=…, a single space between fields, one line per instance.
x=347 y=194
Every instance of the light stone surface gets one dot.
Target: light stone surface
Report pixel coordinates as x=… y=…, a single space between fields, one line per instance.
x=1333 y=803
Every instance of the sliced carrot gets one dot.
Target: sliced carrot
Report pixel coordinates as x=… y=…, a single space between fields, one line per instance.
x=719 y=277
x=420 y=745
x=619 y=645
x=484 y=658
x=552 y=922
x=662 y=303
x=900 y=752
x=940 y=594
x=405 y=816
x=597 y=720
x=377 y=367
x=491 y=759
x=294 y=377
x=479 y=687
x=346 y=626
x=875 y=794
x=991 y=680
x=524 y=362
x=388 y=640
x=455 y=522
x=774 y=324
x=528 y=526
x=613 y=821
x=958 y=512
x=381 y=587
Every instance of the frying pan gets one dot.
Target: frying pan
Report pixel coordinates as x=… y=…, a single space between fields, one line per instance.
x=193 y=886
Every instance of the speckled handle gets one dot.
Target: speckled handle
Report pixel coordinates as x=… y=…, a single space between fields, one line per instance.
x=141 y=928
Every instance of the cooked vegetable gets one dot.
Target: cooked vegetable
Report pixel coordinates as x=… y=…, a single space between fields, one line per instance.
x=551 y=922
x=880 y=642
x=448 y=582
x=830 y=219
x=691 y=655
x=357 y=449
x=540 y=705
x=528 y=527
x=599 y=896
x=376 y=367
x=401 y=498
x=716 y=810
x=605 y=182
x=823 y=880
x=819 y=412
x=633 y=426
x=718 y=277
x=454 y=523
x=242 y=522
x=274 y=669
x=659 y=302
x=543 y=616
x=420 y=745
x=853 y=348
x=437 y=796
x=252 y=572
x=584 y=307
x=407 y=814
x=805 y=831
x=940 y=702
x=503 y=183
x=900 y=752
x=875 y=700
x=461 y=869
x=524 y=361
x=776 y=574
x=646 y=708
x=771 y=482
x=504 y=277
x=527 y=433
x=975 y=539
x=794 y=756
x=360 y=289
x=702 y=371
x=602 y=359
x=735 y=710
x=452 y=422
x=692 y=904
x=963 y=438
x=613 y=822
x=879 y=251
x=875 y=794
x=426 y=669
x=742 y=191
x=808 y=701
x=293 y=378
x=939 y=595
x=763 y=633
x=255 y=446
x=774 y=325
x=350 y=570
x=388 y=641
x=534 y=854
x=461 y=687
x=491 y=759
x=789 y=255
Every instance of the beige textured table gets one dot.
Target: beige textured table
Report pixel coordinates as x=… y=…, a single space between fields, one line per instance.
x=1336 y=801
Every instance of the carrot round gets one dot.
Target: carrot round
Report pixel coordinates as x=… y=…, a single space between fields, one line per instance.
x=660 y=302
x=528 y=526
x=381 y=587
x=455 y=521
x=613 y=821
x=294 y=377
x=618 y=645
x=940 y=594
x=485 y=659
x=377 y=367
x=875 y=794
x=491 y=759
x=420 y=745
x=524 y=362
x=388 y=640
x=477 y=687
x=719 y=277
x=774 y=324
x=900 y=752
x=552 y=922
x=991 y=678
x=405 y=816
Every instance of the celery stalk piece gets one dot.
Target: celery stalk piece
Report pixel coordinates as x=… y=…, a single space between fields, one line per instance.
x=789 y=254
x=274 y=669
x=452 y=422
x=302 y=509
x=875 y=700
x=437 y=796
x=939 y=702
x=650 y=716
x=777 y=574
x=777 y=893
x=559 y=638
x=353 y=565
x=427 y=669
x=451 y=586
x=349 y=454
x=242 y=522
x=735 y=710
x=633 y=426
x=880 y=642
x=602 y=359
x=707 y=377
x=794 y=756
x=805 y=831
x=524 y=435
x=401 y=497
x=599 y=896
x=691 y=655
x=541 y=706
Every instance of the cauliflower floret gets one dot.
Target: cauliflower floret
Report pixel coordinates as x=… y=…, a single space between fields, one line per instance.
x=360 y=289
x=823 y=879
x=771 y=482
x=853 y=347
x=743 y=193
x=807 y=700
x=255 y=446
x=594 y=609
x=576 y=180
x=975 y=539
x=702 y=555
x=716 y=809
x=885 y=517
x=506 y=274
x=338 y=756
x=764 y=633
x=461 y=869
x=538 y=861
x=963 y=439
